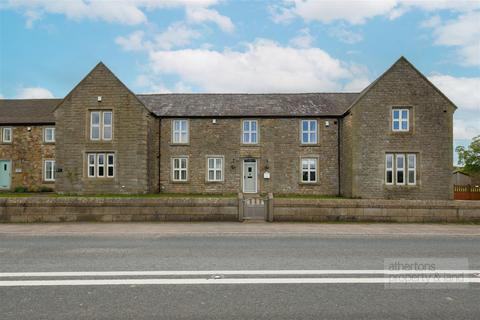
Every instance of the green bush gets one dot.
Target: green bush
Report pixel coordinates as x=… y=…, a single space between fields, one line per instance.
x=20 y=190
x=45 y=189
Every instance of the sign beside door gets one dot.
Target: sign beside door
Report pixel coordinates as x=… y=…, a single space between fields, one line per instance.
x=250 y=176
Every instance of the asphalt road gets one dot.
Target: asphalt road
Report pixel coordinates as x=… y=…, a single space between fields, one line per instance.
x=260 y=251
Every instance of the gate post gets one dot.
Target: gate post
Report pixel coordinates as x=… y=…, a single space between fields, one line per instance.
x=240 y=207
x=270 y=207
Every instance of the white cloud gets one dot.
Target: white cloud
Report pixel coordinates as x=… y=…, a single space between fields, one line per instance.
x=359 y=11
x=303 y=40
x=176 y=35
x=129 y=12
x=342 y=33
x=466 y=129
x=121 y=11
x=264 y=66
x=199 y=15
x=355 y=12
x=34 y=93
x=463 y=91
x=462 y=32
x=133 y=42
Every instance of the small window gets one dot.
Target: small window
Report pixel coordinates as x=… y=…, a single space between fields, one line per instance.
x=400 y=166
x=49 y=170
x=309 y=131
x=250 y=132
x=95 y=125
x=180 y=131
x=49 y=135
x=179 y=169
x=389 y=169
x=110 y=165
x=101 y=165
x=309 y=170
x=400 y=119
x=215 y=169
x=7 y=135
x=412 y=169
x=92 y=165
x=101 y=125
x=107 y=125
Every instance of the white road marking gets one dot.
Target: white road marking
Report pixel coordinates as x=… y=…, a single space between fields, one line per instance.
x=224 y=272
x=109 y=282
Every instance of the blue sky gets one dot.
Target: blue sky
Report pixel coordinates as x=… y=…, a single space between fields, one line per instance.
x=47 y=46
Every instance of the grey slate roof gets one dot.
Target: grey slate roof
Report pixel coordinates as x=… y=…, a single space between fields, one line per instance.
x=36 y=111
x=27 y=111
x=238 y=105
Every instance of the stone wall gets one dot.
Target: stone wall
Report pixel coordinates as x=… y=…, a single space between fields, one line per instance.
x=430 y=137
x=27 y=153
x=71 y=209
x=114 y=210
x=279 y=149
x=355 y=210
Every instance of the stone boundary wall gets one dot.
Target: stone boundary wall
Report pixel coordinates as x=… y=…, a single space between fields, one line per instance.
x=352 y=210
x=117 y=209
x=43 y=209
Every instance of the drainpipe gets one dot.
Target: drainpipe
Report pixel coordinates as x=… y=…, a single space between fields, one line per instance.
x=338 y=156
x=159 y=152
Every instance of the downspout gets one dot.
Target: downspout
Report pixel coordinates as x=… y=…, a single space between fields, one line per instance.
x=159 y=152
x=338 y=155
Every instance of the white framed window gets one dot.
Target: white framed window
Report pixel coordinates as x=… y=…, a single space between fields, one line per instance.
x=95 y=125
x=400 y=169
x=7 y=135
x=309 y=170
x=389 y=169
x=49 y=135
x=92 y=170
x=412 y=169
x=250 y=132
x=107 y=125
x=404 y=166
x=180 y=169
x=100 y=165
x=49 y=170
x=400 y=119
x=101 y=125
x=309 y=131
x=110 y=165
x=215 y=169
x=180 y=131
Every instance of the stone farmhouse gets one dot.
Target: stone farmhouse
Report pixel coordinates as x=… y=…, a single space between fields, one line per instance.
x=393 y=140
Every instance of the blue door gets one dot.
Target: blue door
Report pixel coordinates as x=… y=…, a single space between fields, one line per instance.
x=5 y=174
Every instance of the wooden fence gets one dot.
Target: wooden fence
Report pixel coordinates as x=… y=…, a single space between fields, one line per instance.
x=467 y=192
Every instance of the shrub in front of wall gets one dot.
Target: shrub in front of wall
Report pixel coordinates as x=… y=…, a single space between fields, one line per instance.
x=20 y=190
x=45 y=189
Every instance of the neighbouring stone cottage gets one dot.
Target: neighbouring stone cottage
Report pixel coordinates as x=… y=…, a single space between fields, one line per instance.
x=393 y=140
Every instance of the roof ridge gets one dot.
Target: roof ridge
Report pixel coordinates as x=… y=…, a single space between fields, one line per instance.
x=242 y=93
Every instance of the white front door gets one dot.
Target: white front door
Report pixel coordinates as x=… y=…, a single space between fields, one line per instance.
x=250 y=176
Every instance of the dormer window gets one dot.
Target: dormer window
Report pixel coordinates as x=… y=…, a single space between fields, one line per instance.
x=400 y=119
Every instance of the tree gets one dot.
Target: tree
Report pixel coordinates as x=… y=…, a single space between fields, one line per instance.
x=470 y=157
